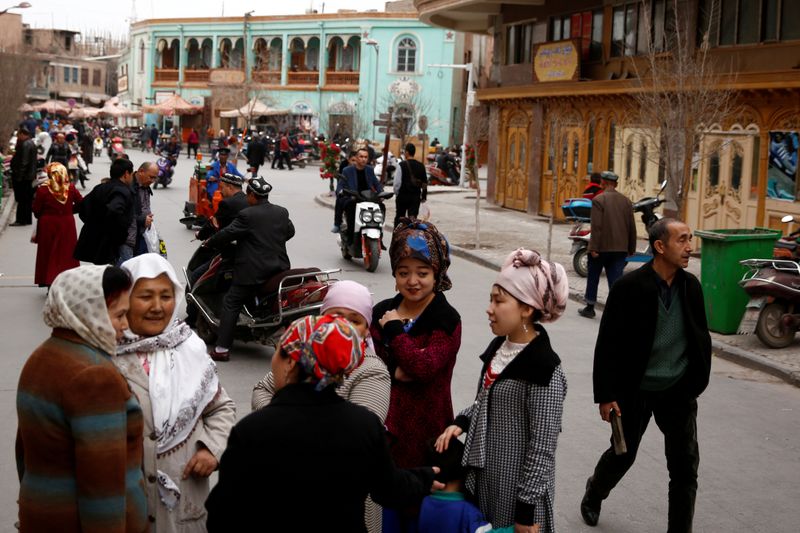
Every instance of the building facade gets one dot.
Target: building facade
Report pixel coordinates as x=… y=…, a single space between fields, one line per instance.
x=330 y=73
x=744 y=169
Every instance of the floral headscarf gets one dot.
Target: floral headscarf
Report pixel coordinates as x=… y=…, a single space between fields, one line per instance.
x=421 y=240
x=327 y=348
x=58 y=182
x=538 y=283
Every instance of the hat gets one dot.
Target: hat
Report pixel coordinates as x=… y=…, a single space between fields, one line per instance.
x=224 y=151
x=233 y=179
x=259 y=187
x=349 y=295
x=608 y=176
x=533 y=281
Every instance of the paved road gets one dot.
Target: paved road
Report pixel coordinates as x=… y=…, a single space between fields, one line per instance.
x=749 y=423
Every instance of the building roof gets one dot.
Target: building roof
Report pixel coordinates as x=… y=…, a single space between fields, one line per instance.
x=280 y=18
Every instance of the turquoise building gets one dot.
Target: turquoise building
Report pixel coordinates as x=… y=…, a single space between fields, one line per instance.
x=324 y=73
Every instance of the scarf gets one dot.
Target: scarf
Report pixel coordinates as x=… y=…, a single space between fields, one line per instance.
x=538 y=283
x=421 y=240
x=58 y=181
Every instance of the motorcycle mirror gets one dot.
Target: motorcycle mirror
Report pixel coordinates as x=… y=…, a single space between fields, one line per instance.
x=787 y=218
x=663 y=186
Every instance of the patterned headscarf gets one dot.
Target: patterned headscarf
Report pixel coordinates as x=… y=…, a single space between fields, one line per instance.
x=58 y=181
x=421 y=240
x=536 y=282
x=76 y=302
x=327 y=347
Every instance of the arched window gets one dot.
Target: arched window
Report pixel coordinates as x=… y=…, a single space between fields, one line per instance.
x=407 y=55
x=643 y=163
x=612 y=138
x=141 y=56
x=713 y=168
x=628 y=159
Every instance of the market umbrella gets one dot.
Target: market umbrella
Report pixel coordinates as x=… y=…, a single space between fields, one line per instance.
x=111 y=111
x=53 y=106
x=84 y=112
x=25 y=108
x=128 y=112
x=253 y=108
x=174 y=105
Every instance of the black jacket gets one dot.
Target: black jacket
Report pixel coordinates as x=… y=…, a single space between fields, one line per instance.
x=58 y=153
x=256 y=152
x=306 y=462
x=260 y=232
x=107 y=212
x=23 y=163
x=415 y=179
x=227 y=210
x=627 y=331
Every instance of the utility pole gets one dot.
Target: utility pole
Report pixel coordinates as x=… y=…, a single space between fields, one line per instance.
x=373 y=42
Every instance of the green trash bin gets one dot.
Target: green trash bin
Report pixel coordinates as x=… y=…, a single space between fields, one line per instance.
x=720 y=271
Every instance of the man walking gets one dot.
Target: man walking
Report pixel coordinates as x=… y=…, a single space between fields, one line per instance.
x=260 y=232
x=410 y=185
x=142 y=214
x=613 y=239
x=653 y=358
x=107 y=213
x=285 y=156
x=23 y=172
x=256 y=152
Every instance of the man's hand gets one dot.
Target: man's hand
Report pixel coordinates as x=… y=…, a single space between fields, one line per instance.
x=148 y=220
x=214 y=222
x=201 y=464
x=605 y=410
x=594 y=254
x=519 y=528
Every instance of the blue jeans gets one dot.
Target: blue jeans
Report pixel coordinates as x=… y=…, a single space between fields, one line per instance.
x=613 y=263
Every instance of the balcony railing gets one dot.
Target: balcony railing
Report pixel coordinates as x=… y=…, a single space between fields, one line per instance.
x=166 y=75
x=341 y=78
x=196 y=75
x=272 y=77
x=303 y=78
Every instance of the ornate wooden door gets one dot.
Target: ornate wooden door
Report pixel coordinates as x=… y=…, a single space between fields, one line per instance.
x=567 y=168
x=724 y=192
x=512 y=190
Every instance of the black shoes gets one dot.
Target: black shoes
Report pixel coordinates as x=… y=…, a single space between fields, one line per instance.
x=590 y=510
x=587 y=312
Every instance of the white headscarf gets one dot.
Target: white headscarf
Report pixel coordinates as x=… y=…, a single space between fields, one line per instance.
x=183 y=378
x=76 y=302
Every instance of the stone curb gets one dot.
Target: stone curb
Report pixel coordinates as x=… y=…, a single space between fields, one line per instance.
x=721 y=349
x=8 y=207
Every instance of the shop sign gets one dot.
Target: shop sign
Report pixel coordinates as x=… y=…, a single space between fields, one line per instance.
x=196 y=100
x=302 y=108
x=558 y=61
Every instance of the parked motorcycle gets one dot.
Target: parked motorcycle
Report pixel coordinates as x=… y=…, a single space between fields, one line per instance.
x=579 y=210
x=647 y=207
x=116 y=149
x=368 y=230
x=300 y=159
x=445 y=171
x=772 y=312
x=165 y=172
x=788 y=246
x=283 y=298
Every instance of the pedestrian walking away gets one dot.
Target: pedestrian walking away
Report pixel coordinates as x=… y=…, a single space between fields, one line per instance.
x=54 y=205
x=410 y=185
x=513 y=425
x=143 y=215
x=613 y=239
x=192 y=143
x=308 y=432
x=23 y=172
x=652 y=360
x=79 y=432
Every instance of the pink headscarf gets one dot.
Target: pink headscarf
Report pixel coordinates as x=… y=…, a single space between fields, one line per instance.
x=536 y=282
x=349 y=295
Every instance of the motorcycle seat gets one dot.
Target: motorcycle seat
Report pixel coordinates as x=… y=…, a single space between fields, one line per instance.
x=270 y=287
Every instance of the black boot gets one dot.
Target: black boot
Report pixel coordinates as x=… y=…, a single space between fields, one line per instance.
x=587 y=312
x=590 y=507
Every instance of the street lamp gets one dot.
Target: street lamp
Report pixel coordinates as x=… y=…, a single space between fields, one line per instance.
x=470 y=102
x=21 y=5
x=373 y=42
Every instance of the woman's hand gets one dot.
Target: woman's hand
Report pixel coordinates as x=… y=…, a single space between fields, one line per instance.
x=518 y=528
x=444 y=439
x=401 y=375
x=436 y=485
x=201 y=464
x=388 y=316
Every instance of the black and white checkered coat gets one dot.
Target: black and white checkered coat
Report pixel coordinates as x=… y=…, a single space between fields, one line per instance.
x=512 y=431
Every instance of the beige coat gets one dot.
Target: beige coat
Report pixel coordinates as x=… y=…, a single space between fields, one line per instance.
x=211 y=431
x=613 y=227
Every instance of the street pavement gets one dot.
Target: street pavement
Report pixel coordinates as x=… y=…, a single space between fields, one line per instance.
x=749 y=422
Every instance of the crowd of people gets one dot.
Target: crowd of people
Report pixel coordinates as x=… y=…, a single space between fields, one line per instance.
x=355 y=415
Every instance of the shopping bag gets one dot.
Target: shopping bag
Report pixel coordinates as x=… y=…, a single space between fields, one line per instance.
x=424 y=212
x=155 y=244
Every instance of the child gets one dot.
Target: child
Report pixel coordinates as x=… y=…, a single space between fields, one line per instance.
x=447 y=510
x=513 y=425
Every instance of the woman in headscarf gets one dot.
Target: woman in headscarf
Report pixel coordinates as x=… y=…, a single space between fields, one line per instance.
x=187 y=413
x=513 y=425
x=368 y=385
x=306 y=461
x=79 y=436
x=417 y=333
x=55 y=203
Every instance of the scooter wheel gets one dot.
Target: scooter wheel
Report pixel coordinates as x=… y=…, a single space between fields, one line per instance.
x=372 y=254
x=770 y=328
x=580 y=262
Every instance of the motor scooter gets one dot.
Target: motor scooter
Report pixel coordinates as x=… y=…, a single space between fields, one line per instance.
x=788 y=246
x=165 y=172
x=449 y=175
x=647 y=207
x=772 y=312
x=579 y=210
x=285 y=297
x=116 y=149
x=98 y=146
x=299 y=159
x=368 y=228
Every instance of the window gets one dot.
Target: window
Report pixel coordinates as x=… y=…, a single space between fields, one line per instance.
x=590 y=149
x=643 y=163
x=141 y=56
x=628 y=160
x=52 y=76
x=738 y=22
x=713 y=168
x=782 y=170
x=96 y=76
x=637 y=27
x=520 y=39
x=74 y=74
x=407 y=55
x=586 y=27
x=66 y=74
x=612 y=139
x=84 y=76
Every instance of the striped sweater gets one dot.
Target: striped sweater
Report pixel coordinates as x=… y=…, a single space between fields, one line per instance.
x=79 y=442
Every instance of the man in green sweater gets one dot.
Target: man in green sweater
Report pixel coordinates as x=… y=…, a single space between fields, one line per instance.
x=653 y=359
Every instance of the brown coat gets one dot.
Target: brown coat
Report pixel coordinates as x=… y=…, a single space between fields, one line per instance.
x=613 y=227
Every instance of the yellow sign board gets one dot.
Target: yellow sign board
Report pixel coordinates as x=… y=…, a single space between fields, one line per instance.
x=558 y=61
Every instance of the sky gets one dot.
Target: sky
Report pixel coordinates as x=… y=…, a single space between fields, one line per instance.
x=101 y=16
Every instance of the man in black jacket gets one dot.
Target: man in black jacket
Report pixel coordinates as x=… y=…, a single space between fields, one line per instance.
x=653 y=359
x=260 y=232
x=23 y=172
x=107 y=213
x=410 y=185
x=256 y=152
x=59 y=151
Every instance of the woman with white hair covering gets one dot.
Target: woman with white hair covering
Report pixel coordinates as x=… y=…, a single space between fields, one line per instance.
x=513 y=425
x=187 y=414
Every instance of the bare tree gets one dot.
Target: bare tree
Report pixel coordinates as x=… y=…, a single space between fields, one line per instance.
x=681 y=94
x=407 y=110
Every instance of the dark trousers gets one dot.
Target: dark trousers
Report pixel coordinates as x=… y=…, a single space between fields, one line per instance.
x=276 y=159
x=613 y=263
x=286 y=156
x=189 y=149
x=407 y=206
x=235 y=298
x=23 y=194
x=676 y=416
x=338 y=210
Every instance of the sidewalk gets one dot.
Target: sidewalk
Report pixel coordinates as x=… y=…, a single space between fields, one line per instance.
x=503 y=230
